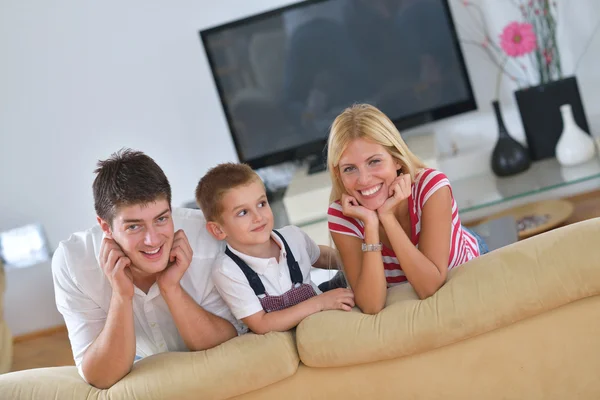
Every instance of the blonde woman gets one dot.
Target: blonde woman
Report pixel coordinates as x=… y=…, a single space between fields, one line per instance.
x=392 y=219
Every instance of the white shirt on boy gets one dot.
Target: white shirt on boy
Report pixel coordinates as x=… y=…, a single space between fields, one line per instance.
x=83 y=292
x=234 y=287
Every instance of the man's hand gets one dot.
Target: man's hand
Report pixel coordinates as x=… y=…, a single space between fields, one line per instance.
x=399 y=192
x=351 y=208
x=115 y=265
x=180 y=258
x=336 y=299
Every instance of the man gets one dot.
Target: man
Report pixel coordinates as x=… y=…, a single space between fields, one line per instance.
x=133 y=286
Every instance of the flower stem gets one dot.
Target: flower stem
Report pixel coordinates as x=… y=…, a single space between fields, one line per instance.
x=500 y=73
x=587 y=46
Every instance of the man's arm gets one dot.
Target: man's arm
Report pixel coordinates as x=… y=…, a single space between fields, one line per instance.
x=103 y=343
x=110 y=357
x=199 y=328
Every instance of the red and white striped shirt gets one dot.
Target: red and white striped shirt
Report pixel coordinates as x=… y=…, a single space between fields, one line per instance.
x=463 y=246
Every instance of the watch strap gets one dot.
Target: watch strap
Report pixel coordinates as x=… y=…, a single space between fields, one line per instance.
x=372 y=247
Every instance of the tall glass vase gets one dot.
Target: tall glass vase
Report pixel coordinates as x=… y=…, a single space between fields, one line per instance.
x=509 y=156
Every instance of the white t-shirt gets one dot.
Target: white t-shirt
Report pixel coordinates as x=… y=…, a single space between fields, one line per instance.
x=83 y=292
x=275 y=276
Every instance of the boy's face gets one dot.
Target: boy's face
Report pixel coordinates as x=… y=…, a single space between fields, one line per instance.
x=145 y=234
x=247 y=219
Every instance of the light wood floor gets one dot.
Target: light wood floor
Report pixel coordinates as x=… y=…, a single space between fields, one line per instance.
x=52 y=348
x=49 y=348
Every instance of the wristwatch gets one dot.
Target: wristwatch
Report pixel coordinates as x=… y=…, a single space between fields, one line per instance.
x=372 y=247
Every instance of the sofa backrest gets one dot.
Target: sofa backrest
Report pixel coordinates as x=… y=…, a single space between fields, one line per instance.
x=500 y=288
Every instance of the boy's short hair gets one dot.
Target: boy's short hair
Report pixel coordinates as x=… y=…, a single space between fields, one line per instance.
x=217 y=181
x=126 y=178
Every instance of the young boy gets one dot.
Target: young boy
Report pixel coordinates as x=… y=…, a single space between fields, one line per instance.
x=264 y=275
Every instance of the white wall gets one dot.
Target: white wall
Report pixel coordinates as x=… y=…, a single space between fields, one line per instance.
x=79 y=80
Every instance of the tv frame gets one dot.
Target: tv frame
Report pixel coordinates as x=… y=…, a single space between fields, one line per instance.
x=317 y=147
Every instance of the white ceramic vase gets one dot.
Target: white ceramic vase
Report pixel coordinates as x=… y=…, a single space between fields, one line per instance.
x=574 y=146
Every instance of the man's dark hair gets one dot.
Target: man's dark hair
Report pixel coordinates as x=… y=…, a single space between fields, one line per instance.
x=126 y=178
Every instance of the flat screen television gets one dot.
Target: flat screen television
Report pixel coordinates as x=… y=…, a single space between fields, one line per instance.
x=283 y=75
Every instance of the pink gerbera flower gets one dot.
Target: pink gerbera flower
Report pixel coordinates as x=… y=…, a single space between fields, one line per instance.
x=518 y=39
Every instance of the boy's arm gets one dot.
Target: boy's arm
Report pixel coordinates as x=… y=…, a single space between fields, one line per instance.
x=328 y=258
x=322 y=257
x=283 y=320
x=234 y=288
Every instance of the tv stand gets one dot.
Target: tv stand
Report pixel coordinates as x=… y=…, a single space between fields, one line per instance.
x=316 y=165
x=306 y=198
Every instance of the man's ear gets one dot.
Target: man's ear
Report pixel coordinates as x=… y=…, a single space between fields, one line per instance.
x=215 y=230
x=105 y=226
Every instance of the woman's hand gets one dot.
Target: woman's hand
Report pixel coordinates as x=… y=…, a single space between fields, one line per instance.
x=351 y=208
x=399 y=191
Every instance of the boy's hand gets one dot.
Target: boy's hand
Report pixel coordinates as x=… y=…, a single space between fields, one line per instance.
x=180 y=258
x=115 y=265
x=336 y=299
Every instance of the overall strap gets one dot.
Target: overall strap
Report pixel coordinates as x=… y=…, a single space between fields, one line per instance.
x=253 y=278
x=293 y=266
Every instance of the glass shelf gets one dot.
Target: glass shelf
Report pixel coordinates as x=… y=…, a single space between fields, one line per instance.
x=480 y=191
x=475 y=193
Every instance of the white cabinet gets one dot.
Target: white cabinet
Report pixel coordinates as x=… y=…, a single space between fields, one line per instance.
x=319 y=232
x=306 y=201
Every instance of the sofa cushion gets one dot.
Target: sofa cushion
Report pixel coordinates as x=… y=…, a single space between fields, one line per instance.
x=240 y=365
x=498 y=289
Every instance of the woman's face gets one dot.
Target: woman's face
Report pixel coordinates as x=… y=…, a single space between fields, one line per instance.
x=367 y=170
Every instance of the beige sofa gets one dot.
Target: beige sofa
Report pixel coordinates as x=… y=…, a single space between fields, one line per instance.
x=6 y=345
x=522 y=322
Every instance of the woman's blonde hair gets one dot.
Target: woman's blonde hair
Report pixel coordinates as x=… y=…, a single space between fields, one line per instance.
x=366 y=122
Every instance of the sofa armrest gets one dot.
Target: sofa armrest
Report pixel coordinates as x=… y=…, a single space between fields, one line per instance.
x=6 y=341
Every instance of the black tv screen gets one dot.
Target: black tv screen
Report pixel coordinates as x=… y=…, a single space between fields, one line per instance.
x=284 y=75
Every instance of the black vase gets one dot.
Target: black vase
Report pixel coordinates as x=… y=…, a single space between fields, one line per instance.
x=509 y=156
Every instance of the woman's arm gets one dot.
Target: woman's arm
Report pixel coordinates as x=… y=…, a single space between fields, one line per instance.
x=364 y=270
x=425 y=268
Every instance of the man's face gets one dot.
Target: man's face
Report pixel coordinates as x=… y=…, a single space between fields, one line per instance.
x=145 y=233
